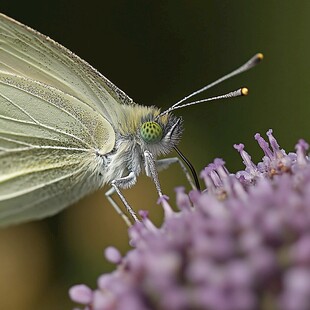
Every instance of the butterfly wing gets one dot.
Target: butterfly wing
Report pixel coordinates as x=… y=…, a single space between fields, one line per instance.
x=48 y=145
x=26 y=52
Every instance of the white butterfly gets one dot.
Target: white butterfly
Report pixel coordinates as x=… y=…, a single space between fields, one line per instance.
x=66 y=130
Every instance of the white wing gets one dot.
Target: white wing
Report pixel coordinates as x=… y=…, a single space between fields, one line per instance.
x=56 y=112
x=26 y=52
x=48 y=144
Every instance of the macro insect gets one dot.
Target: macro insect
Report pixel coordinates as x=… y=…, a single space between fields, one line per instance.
x=66 y=130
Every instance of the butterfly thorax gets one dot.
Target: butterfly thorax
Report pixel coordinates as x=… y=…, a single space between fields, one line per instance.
x=135 y=132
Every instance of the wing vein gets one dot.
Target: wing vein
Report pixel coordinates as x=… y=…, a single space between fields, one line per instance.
x=45 y=147
x=31 y=189
x=63 y=58
x=43 y=125
x=32 y=147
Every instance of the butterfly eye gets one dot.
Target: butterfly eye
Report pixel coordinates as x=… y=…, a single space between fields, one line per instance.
x=151 y=132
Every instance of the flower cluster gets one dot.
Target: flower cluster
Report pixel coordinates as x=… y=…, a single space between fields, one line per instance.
x=242 y=244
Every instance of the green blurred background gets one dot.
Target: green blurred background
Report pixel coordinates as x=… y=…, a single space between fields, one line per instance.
x=158 y=52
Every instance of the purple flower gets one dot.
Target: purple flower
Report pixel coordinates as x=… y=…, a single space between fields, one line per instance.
x=241 y=244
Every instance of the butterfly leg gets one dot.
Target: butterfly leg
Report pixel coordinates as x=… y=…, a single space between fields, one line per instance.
x=151 y=171
x=162 y=164
x=118 y=210
x=124 y=182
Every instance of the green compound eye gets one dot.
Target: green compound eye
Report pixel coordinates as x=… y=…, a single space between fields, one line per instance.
x=151 y=132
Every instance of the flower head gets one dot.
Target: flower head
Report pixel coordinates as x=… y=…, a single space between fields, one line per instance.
x=243 y=243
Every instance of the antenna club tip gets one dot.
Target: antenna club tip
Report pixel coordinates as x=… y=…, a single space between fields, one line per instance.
x=244 y=91
x=260 y=56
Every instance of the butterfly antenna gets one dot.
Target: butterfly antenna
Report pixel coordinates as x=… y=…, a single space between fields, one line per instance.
x=255 y=60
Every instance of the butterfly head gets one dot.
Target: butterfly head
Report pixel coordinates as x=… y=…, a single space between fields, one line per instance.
x=159 y=134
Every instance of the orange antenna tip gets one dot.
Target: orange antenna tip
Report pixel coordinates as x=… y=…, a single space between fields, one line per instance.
x=244 y=91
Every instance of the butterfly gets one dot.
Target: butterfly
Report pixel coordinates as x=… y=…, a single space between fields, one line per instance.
x=66 y=130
